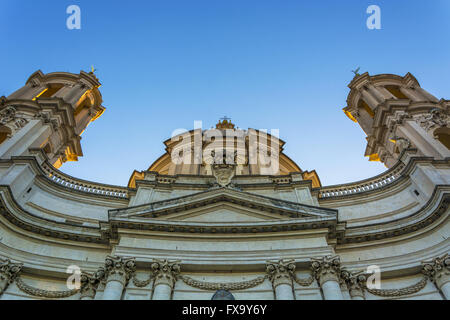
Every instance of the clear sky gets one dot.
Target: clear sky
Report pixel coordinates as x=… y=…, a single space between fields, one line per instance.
x=266 y=64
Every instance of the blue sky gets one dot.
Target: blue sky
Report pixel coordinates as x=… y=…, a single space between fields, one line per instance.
x=266 y=64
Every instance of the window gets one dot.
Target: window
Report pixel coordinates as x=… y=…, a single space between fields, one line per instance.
x=223 y=295
x=51 y=90
x=363 y=105
x=443 y=136
x=4 y=133
x=396 y=92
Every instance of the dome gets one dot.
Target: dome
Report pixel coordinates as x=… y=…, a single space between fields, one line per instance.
x=250 y=152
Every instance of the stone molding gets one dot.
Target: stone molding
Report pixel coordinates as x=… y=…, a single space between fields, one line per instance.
x=165 y=272
x=228 y=286
x=108 y=230
x=142 y=283
x=32 y=291
x=399 y=292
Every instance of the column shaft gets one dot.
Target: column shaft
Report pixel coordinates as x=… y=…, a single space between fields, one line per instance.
x=332 y=290
x=113 y=290
x=162 y=292
x=284 y=292
x=445 y=289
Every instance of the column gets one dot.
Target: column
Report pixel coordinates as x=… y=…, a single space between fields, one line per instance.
x=419 y=137
x=411 y=94
x=428 y=96
x=369 y=99
x=74 y=93
x=29 y=91
x=118 y=271
x=23 y=139
x=8 y=273
x=438 y=271
x=280 y=274
x=327 y=271
x=375 y=92
x=165 y=273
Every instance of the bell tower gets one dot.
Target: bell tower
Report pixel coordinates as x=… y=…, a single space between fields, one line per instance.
x=397 y=114
x=50 y=112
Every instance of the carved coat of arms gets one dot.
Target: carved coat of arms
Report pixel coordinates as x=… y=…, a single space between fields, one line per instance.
x=223 y=173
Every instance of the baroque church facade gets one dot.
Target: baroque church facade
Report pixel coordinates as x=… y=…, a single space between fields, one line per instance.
x=227 y=226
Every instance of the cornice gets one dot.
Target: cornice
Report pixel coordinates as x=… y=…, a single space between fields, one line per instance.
x=172 y=182
x=24 y=220
x=296 y=216
x=251 y=200
x=414 y=222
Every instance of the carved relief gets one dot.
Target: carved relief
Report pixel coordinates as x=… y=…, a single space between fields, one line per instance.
x=7 y=115
x=32 y=291
x=89 y=284
x=281 y=272
x=326 y=269
x=165 y=272
x=438 y=270
x=355 y=283
x=203 y=285
x=48 y=120
x=399 y=292
x=223 y=173
x=436 y=118
x=401 y=143
x=119 y=269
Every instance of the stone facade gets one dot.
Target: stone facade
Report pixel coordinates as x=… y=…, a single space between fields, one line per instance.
x=189 y=230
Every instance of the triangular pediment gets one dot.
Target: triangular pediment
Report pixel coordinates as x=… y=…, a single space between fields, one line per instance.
x=222 y=212
x=224 y=205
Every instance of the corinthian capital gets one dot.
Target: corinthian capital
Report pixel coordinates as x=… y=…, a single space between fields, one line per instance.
x=326 y=269
x=165 y=272
x=118 y=268
x=438 y=270
x=8 y=273
x=89 y=284
x=356 y=283
x=281 y=272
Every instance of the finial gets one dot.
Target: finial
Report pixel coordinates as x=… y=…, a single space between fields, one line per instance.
x=93 y=69
x=225 y=123
x=356 y=72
